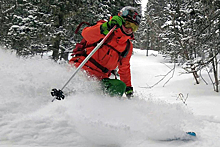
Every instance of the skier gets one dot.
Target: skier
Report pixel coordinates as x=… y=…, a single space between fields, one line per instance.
x=115 y=52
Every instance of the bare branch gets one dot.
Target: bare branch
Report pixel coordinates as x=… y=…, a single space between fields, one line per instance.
x=164 y=76
x=181 y=97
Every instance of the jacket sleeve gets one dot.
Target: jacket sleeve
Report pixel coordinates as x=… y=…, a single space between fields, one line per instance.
x=93 y=33
x=124 y=68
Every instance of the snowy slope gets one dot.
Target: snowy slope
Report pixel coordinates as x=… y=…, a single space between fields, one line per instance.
x=86 y=118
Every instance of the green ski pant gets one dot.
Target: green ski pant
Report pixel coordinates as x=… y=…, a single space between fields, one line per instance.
x=113 y=87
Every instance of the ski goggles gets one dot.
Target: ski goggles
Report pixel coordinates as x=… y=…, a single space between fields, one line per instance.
x=131 y=25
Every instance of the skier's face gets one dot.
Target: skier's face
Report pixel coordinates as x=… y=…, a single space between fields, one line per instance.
x=128 y=31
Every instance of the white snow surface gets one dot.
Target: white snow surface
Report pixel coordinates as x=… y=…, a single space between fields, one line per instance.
x=88 y=118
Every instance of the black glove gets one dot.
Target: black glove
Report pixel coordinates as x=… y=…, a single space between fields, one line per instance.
x=129 y=92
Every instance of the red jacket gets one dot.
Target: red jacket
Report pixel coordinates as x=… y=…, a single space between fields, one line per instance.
x=105 y=55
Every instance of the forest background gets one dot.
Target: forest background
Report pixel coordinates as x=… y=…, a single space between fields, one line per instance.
x=185 y=31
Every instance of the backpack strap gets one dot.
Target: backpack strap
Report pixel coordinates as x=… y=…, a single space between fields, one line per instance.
x=123 y=55
x=127 y=49
x=78 y=27
x=104 y=69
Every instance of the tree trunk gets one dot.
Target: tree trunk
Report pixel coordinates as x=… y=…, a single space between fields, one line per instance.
x=56 y=44
x=195 y=75
x=64 y=55
x=215 y=70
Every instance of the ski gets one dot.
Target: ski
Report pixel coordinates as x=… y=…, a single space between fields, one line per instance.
x=188 y=136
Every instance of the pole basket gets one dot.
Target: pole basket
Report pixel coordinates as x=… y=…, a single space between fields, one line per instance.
x=58 y=94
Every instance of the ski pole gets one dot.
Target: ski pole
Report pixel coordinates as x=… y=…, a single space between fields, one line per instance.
x=59 y=93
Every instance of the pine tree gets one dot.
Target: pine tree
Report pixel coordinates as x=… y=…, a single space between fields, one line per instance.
x=36 y=26
x=6 y=9
x=189 y=30
x=154 y=18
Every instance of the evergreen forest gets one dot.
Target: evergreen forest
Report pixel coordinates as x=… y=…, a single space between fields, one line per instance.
x=185 y=31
